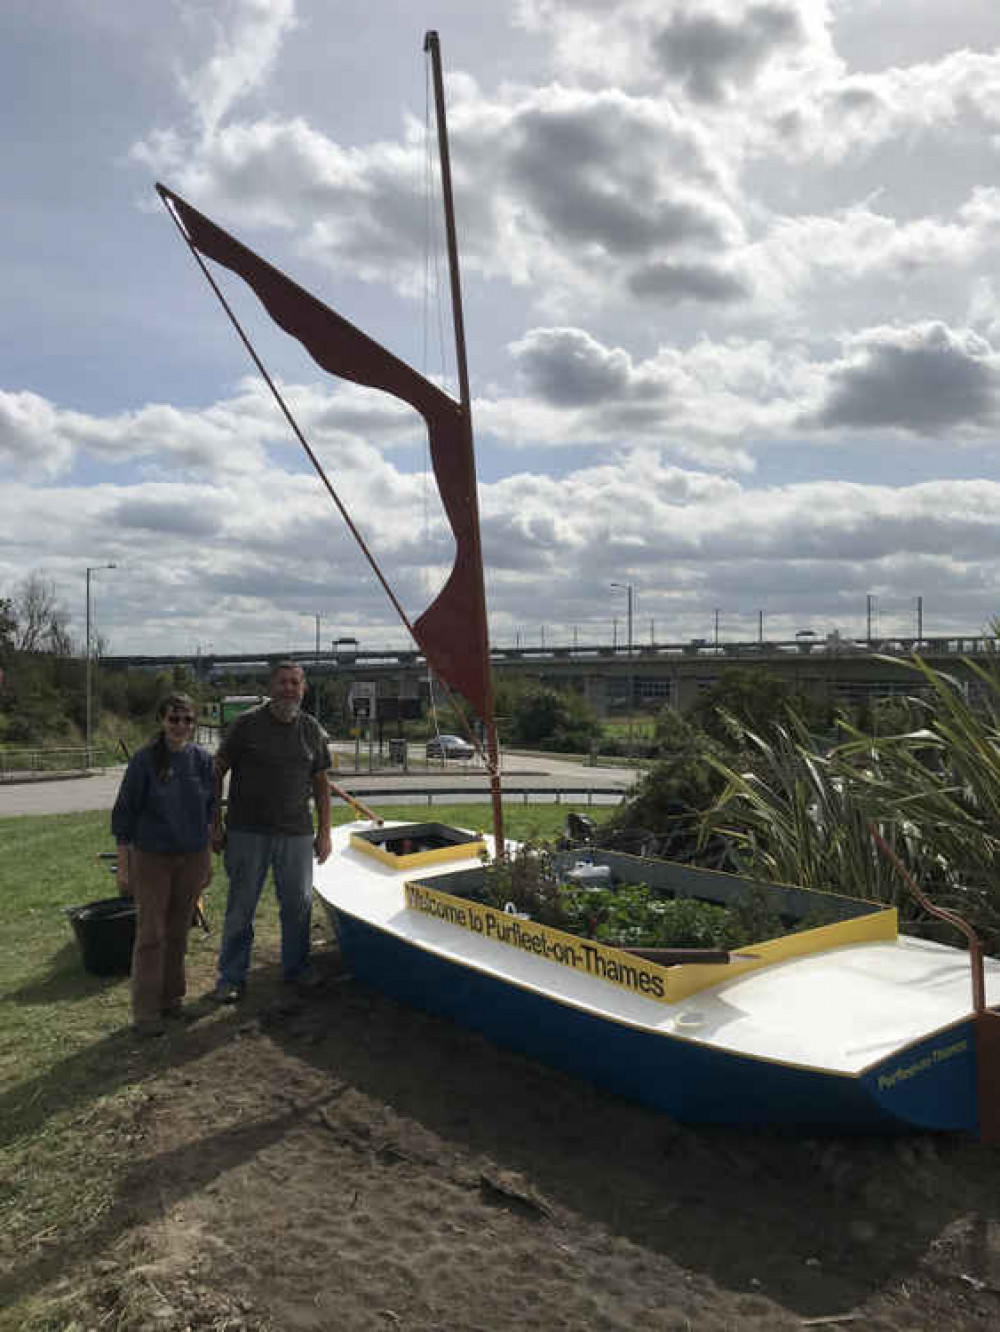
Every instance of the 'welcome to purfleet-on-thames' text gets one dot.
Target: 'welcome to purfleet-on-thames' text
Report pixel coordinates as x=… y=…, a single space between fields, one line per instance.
x=568 y=951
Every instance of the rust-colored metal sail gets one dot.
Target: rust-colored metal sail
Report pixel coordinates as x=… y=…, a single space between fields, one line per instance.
x=452 y=630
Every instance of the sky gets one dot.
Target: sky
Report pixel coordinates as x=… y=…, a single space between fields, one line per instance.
x=729 y=275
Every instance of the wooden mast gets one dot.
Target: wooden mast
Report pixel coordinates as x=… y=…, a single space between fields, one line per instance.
x=433 y=48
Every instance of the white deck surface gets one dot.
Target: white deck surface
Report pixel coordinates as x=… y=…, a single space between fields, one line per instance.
x=840 y=1010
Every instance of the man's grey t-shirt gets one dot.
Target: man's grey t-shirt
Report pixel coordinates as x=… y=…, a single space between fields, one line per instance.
x=272 y=764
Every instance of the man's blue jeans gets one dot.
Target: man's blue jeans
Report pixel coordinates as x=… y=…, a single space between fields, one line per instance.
x=248 y=857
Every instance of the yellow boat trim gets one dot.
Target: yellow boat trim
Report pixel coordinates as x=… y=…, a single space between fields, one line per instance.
x=879 y=925
x=415 y=860
x=663 y=984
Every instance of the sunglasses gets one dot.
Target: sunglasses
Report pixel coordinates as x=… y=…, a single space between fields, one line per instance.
x=175 y=720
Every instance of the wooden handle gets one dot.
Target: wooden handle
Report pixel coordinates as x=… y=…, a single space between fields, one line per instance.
x=354 y=803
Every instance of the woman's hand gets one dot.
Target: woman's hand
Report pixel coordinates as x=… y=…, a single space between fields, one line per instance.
x=121 y=870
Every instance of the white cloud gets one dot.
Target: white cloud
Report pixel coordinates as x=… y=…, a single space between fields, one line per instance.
x=860 y=257
x=707 y=47
x=714 y=54
x=30 y=440
x=543 y=182
x=228 y=437
x=246 y=37
x=852 y=113
x=549 y=201
x=716 y=253
x=928 y=379
x=266 y=549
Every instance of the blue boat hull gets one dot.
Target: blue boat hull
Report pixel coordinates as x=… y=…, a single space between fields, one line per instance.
x=688 y=1080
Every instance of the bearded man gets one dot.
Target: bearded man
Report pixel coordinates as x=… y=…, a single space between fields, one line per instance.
x=278 y=757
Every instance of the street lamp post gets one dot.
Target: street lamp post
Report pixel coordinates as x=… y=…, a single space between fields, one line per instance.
x=627 y=589
x=317 y=702
x=90 y=724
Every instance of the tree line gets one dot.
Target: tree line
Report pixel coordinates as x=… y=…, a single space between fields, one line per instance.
x=43 y=676
x=33 y=620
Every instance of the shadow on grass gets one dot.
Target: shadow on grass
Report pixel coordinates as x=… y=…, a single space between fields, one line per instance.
x=120 y=1058
x=65 y=981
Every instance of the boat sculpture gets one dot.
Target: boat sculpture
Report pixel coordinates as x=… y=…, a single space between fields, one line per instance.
x=844 y=1026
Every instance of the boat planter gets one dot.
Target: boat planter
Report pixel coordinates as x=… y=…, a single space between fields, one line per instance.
x=457 y=899
x=847 y=1027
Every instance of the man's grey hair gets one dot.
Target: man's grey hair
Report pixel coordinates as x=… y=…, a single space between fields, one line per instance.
x=286 y=666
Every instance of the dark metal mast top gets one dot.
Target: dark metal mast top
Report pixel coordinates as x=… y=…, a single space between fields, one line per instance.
x=433 y=48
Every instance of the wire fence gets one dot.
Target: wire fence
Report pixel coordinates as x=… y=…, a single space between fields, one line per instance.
x=25 y=764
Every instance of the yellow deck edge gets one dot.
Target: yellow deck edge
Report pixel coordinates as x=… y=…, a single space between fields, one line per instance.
x=626 y=970
x=470 y=850
x=688 y=979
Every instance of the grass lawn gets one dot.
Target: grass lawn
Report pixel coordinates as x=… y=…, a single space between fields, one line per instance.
x=641 y=728
x=71 y=1073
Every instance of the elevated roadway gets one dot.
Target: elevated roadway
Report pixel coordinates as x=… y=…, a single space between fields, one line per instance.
x=654 y=674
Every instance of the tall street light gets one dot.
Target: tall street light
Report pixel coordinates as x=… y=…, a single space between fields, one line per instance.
x=317 y=701
x=627 y=588
x=87 y=754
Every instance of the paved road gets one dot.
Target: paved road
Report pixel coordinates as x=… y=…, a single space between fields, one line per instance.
x=70 y=795
x=541 y=778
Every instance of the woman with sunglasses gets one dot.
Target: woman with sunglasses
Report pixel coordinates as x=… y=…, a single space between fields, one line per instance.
x=161 y=821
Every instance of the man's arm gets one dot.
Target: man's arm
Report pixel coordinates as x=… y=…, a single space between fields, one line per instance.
x=321 y=797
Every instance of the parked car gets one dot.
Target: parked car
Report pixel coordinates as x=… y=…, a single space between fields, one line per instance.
x=449 y=746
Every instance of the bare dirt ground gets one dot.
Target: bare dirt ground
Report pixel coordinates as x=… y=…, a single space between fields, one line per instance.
x=340 y=1162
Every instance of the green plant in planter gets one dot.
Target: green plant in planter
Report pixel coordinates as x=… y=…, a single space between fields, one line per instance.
x=636 y=918
x=584 y=909
x=527 y=879
x=631 y=915
x=755 y=918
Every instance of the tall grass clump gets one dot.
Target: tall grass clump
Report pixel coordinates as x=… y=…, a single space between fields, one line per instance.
x=796 y=816
x=933 y=791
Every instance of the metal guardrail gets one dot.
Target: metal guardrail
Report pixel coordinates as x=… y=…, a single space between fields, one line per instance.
x=26 y=764
x=572 y=794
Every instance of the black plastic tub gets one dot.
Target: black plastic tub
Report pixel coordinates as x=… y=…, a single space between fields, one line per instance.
x=105 y=931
